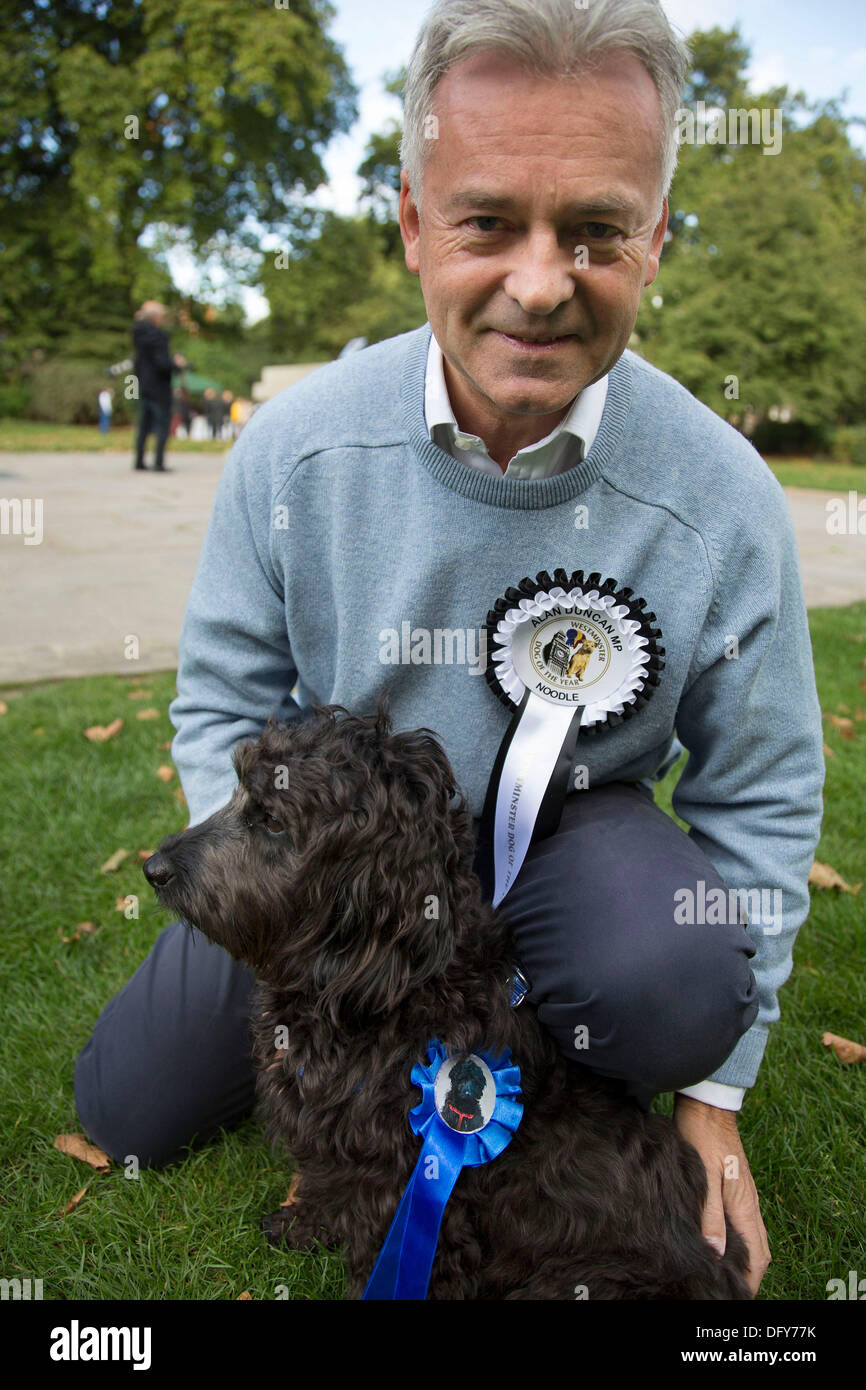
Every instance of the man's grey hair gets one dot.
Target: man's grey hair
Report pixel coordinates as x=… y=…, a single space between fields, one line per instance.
x=548 y=38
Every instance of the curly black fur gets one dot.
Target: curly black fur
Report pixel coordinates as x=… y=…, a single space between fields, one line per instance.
x=341 y=871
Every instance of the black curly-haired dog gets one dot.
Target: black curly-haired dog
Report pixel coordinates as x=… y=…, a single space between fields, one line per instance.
x=341 y=872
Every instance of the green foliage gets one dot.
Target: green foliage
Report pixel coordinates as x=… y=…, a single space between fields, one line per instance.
x=64 y=391
x=849 y=445
x=758 y=319
x=14 y=401
x=336 y=286
x=217 y=345
x=719 y=58
x=118 y=116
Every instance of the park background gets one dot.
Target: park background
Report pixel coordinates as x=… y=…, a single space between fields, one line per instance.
x=258 y=202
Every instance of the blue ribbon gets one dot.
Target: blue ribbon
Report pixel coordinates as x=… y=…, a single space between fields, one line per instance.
x=403 y=1268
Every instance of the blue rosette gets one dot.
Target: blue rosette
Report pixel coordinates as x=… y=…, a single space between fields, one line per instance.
x=468 y=1112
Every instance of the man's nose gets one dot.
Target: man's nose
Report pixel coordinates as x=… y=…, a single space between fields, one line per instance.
x=158 y=870
x=542 y=274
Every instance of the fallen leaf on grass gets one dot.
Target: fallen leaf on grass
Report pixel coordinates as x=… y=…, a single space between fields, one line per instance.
x=166 y=773
x=179 y=795
x=823 y=876
x=828 y=751
x=845 y=1049
x=860 y=713
x=114 y=861
x=77 y=1146
x=4 y=708
x=146 y=854
x=81 y=930
x=845 y=726
x=292 y=1194
x=139 y=695
x=147 y=714
x=246 y=1294
x=100 y=733
x=74 y=1203
x=164 y=747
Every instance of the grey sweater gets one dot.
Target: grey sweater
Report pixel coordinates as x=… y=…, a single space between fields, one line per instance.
x=348 y=554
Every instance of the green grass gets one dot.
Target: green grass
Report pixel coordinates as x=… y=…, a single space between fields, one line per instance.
x=32 y=436
x=190 y=1231
x=829 y=476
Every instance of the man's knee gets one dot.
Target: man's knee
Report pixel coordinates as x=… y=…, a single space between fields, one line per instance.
x=113 y=1121
x=170 y=1057
x=665 y=1013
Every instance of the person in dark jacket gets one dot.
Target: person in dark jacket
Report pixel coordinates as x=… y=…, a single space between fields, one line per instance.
x=153 y=368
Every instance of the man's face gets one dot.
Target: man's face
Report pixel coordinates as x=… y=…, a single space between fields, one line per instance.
x=524 y=171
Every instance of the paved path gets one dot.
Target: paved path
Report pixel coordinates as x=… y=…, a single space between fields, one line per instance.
x=119 y=551
x=117 y=558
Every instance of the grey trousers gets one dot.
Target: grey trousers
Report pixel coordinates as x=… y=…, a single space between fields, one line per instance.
x=621 y=987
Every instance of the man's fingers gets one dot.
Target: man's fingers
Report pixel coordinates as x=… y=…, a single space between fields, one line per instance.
x=758 y=1261
x=744 y=1213
x=713 y=1219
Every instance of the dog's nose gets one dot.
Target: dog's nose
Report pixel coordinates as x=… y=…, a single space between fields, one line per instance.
x=158 y=870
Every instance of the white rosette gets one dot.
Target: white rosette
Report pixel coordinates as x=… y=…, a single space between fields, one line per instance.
x=566 y=653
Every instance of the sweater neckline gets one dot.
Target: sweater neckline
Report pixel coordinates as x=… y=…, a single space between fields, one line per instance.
x=522 y=494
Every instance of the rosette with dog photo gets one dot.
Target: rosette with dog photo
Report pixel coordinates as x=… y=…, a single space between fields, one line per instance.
x=469 y=1111
x=565 y=653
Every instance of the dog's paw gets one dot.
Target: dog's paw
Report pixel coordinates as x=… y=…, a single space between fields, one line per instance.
x=277 y=1226
x=290 y=1228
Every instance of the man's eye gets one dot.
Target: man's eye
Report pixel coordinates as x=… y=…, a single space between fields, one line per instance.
x=484 y=219
x=599 y=231
x=274 y=826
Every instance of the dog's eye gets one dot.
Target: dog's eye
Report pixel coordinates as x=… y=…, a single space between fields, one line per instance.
x=274 y=826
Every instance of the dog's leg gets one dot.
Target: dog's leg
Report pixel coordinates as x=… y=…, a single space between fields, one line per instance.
x=295 y=1229
x=293 y=1224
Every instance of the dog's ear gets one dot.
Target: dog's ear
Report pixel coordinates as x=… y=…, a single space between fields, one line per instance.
x=246 y=753
x=392 y=919
x=398 y=890
x=244 y=758
x=420 y=762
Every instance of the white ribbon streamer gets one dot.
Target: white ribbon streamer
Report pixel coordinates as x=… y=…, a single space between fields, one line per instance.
x=526 y=773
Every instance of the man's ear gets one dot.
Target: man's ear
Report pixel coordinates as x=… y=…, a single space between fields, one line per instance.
x=658 y=241
x=409 y=224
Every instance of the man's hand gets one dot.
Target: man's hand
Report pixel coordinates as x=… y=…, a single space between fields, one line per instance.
x=730 y=1185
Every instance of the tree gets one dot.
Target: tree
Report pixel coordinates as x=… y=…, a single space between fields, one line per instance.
x=116 y=115
x=756 y=316
x=719 y=58
x=339 y=284
x=380 y=173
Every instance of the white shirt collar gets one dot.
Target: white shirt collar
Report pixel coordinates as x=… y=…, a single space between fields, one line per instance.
x=558 y=451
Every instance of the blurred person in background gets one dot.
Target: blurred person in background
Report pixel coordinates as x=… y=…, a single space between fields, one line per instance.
x=153 y=368
x=106 y=406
